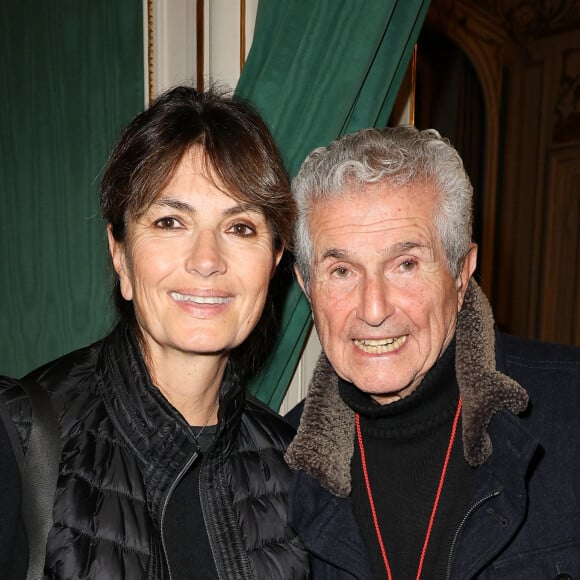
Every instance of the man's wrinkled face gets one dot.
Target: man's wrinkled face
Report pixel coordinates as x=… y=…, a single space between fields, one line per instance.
x=384 y=302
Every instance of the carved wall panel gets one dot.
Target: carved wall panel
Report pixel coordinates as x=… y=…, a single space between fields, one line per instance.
x=559 y=319
x=527 y=55
x=567 y=124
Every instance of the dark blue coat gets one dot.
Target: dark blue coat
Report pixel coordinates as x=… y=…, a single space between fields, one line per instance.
x=523 y=519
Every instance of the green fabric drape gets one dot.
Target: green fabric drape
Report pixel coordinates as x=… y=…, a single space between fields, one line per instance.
x=319 y=69
x=71 y=74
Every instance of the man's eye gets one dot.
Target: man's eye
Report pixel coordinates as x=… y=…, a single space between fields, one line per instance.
x=407 y=265
x=167 y=223
x=243 y=230
x=340 y=272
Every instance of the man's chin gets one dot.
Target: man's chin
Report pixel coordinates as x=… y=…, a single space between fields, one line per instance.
x=383 y=395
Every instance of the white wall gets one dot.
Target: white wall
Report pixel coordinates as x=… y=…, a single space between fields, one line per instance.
x=174 y=40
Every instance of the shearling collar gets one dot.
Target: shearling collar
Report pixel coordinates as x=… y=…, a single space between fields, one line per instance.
x=324 y=443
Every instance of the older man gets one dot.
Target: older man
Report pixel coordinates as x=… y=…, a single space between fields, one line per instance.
x=430 y=445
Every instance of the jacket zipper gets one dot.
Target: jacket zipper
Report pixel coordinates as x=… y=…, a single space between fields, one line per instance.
x=470 y=511
x=190 y=461
x=208 y=515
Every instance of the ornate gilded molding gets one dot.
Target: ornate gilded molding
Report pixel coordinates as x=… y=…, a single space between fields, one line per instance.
x=150 y=53
x=567 y=124
x=200 y=44
x=537 y=18
x=242 y=34
x=523 y=19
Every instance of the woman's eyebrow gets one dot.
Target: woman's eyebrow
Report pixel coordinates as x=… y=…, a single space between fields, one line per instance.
x=174 y=204
x=238 y=209
x=184 y=206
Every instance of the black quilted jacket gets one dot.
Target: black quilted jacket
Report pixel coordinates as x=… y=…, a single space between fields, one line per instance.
x=123 y=450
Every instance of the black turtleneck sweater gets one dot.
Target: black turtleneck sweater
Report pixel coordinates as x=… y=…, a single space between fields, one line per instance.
x=405 y=444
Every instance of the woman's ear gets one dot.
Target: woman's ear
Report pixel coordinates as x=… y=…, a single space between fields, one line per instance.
x=277 y=257
x=120 y=264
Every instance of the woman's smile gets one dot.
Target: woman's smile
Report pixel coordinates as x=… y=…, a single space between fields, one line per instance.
x=200 y=298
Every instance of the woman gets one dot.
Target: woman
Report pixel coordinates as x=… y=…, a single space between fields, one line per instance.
x=13 y=543
x=167 y=469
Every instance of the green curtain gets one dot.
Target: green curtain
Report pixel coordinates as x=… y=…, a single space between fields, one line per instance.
x=319 y=69
x=71 y=76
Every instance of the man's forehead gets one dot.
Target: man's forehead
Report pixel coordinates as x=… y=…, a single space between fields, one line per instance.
x=368 y=220
x=373 y=222
x=383 y=194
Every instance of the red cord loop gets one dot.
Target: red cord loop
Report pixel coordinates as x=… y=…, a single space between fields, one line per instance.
x=435 y=503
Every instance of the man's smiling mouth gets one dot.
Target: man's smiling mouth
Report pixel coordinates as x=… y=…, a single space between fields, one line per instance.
x=382 y=345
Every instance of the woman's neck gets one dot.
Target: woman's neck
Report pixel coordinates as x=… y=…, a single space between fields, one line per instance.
x=190 y=382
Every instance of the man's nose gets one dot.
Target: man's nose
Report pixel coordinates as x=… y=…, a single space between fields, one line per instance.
x=205 y=257
x=375 y=300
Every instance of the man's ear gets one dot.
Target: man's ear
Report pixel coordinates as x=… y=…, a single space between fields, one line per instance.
x=465 y=273
x=301 y=281
x=119 y=259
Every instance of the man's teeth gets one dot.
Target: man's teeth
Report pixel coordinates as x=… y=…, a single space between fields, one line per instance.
x=381 y=346
x=200 y=299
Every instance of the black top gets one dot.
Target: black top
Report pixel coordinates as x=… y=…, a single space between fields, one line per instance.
x=188 y=548
x=405 y=445
x=13 y=543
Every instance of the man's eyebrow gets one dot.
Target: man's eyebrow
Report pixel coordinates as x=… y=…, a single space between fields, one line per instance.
x=334 y=254
x=398 y=248
x=403 y=247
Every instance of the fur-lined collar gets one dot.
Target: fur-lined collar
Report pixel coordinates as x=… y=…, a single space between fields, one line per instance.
x=324 y=443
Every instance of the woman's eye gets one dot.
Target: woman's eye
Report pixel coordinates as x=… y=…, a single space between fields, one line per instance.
x=242 y=230
x=167 y=223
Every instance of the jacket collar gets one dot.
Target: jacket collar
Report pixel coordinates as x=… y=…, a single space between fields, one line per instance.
x=151 y=425
x=324 y=444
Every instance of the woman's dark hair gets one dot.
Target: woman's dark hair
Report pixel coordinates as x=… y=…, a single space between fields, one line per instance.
x=240 y=152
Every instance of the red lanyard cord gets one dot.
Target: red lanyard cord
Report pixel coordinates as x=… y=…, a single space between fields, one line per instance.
x=435 y=503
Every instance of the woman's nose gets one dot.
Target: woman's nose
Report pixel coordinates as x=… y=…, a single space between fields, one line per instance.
x=375 y=304
x=205 y=257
